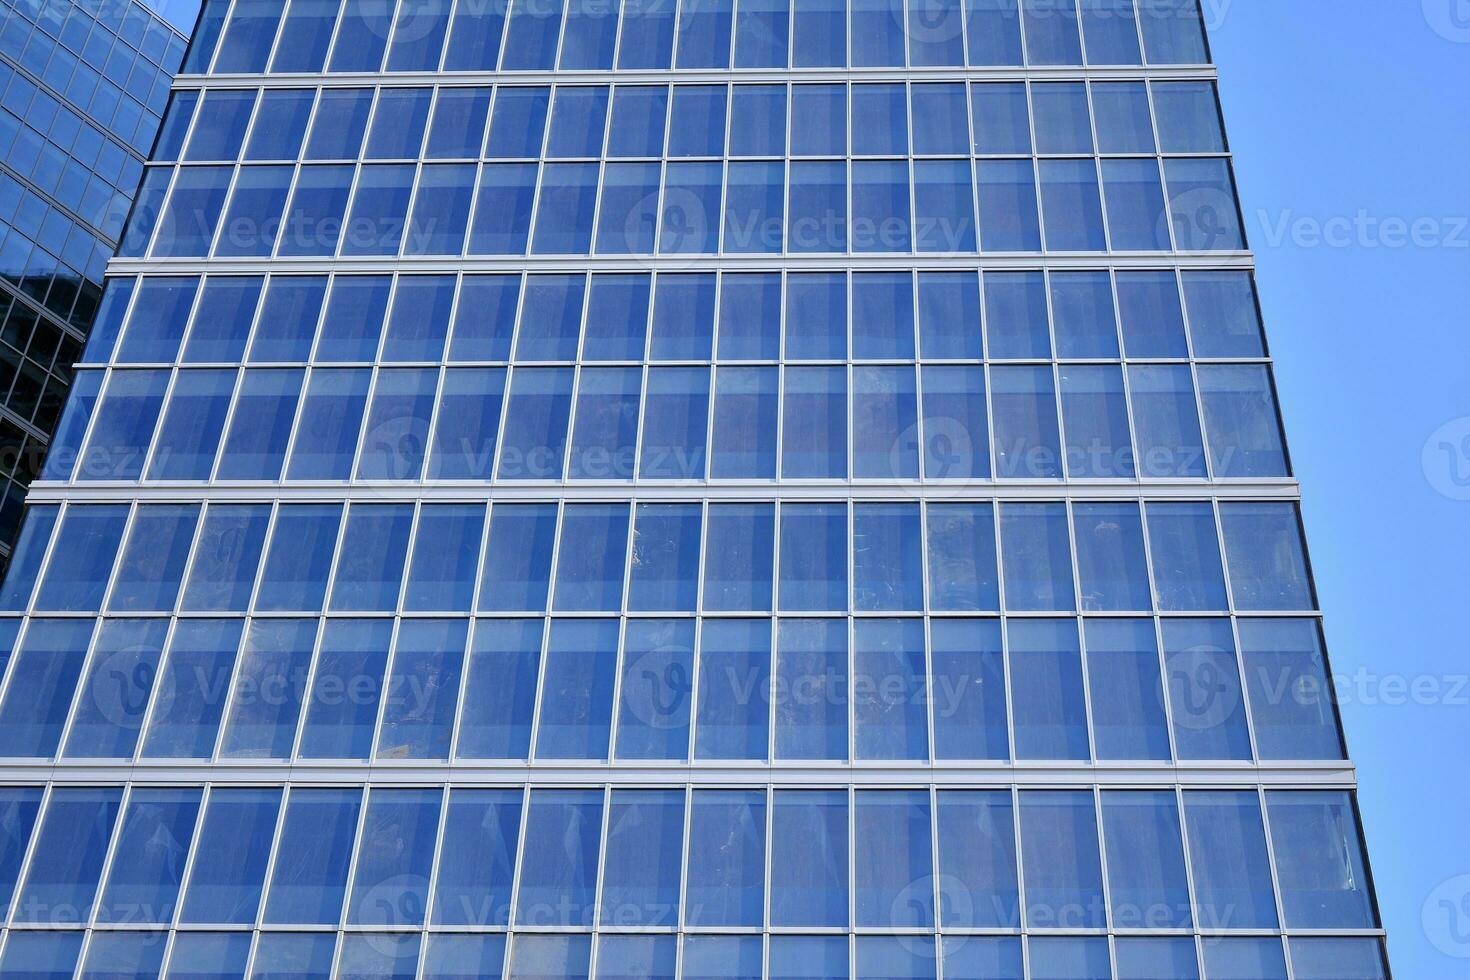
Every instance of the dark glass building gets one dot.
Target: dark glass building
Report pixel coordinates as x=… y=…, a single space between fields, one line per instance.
x=716 y=489
x=82 y=87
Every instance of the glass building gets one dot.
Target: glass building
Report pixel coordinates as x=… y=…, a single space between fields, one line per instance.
x=718 y=489
x=82 y=88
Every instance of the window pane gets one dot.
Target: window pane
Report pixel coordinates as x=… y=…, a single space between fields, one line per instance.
x=1147 y=885
x=675 y=424
x=267 y=696
x=968 y=689
x=1291 y=697
x=888 y=560
x=814 y=557
x=1224 y=318
x=124 y=426
x=1095 y=413
x=598 y=533
x=811 y=689
x=1324 y=959
x=331 y=415
x=1064 y=883
x=1186 y=556
x=503 y=211
x=1227 y=853
x=981 y=958
x=890 y=690
x=481 y=829
x=1173 y=33
x=420 y=318
x=1111 y=31
x=288 y=319
x=1124 y=120
x=962 y=567
x=758 y=120
x=152 y=566
x=1127 y=691
x=638 y=121
x=1111 y=559
x=956 y=435
x=374 y=548
x=42 y=684
x=727 y=854
x=1268 y=564
x=230 y=860
x=734 y=689
x=816 y=316
x=994 y=34
x=18 y=807
x=558 y=878
x=645 y=843
x=114 y=695
x=590 y=35
x=1239 y=404
x=390 y=885
x=617 y=318
x=666 y=543
x=551 y=956
x=1140 y=959
x=809 y=859
x=605 y=435
x=423 y=689
x=495 y=721
x=1166 y=421
x=1070 y=958
x=1027 y=434
x=255 y=446
x=1037 y=553
x=1319 y=861
x=342 y=706
x=648 y=35
x=977 y=864
x=1203 y=204
x=314 y=850
x=745 y=424
x=577 y=689
x=222 y=574
x=1049 y=704
x=191 y=687
x=814 y=427
x=762 y=28
x=535 y=427
x=517 y=570
x=1244 y=959
x=1073 y=206
x=397 y=430
x=69 y=850
x=656 y=690
x=809 y=957
x=1063 y=122
x=446 y=553
x=1051 y=32
x=894 y=860
x=885 y=422
x=300 y=558
x=1204 y=690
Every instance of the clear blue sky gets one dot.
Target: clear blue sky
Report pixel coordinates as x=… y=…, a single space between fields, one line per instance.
x=1359 y=111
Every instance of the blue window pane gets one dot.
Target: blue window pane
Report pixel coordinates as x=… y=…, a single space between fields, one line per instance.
x=690 y=215
x=535 y=425
x=1095 y=413
x=734 y=686
x=1204 y=690
x=1147 y=884
x=811 y=689
x=895 y=867
x=1110 y=558
x=884 y=110
x=1016 y=316
x=446 y=554
x=114 y=694
x=1140 y=959
x=66 y=442
x=175 y=125
x=880 y=206
x=1124 y=120
x=949 y=316
x=209 y=956
x=331 y=415
x=1127 y=692
x=981 y=958
x=486 y=318
x=1007 y=195
x=69 y=850
x=1051 y=32
x=267 y=693
x=222 y=574
x=994 y=33
x=890 y=690
x=143 y=885
x=474 y=37
x=598 y=535
x=1072 y=204
x=503 y=212
x=1227 y=855
x=936 y=33
x=640 y=878
x=726 y=874
x=342 y=706
x=1082 y=315
x=397 y=430
x=340 y=122
x=1224 y=318
x=530 y=41
x=568 y=200
x=82 y=558
x=723 y=957
x=1324 y=959
x=896 y=958
x=251 y=224
x=288 y=112
x=26 y=559
x=1174 y=34
x=683 y=318
x=1136 y=216
x=762 y=29
x=885 y=423
x=255 y=446
x=1244 y=959
x=423 y=689
x=1063 y=122
x=638 y=113
x=379 y=210
x=440 y=210
x=458 y=127
x=758 y=121
x=361 y=37
x=605 y=437
x=1239 y=404
x=42 y=684
x=1049 y=703
x=223 y=117
x=517 y=570
x=288 y=320
x=956 y=437
x=468 y=423
x=977 y=865
x=1002 y=117
x=558 y=878
x=877 y=33
x=1186 y=556
x=816 y=316
x=969 y=691
x=354 y=318
x=391 y=957
x=809 y=883
x=551 y=316
x=888 y=564
x=590 y=35
x=666 y=543
x=551 y=956
x=1268 y=564
x=1069 y=958
x=636 y=957
x=306 y=33
x=1202 y=200
x=809 y=957
x=419 y=35
x=704 y=34
x=390 y=885
x=1153 y=321
x=750 y=316
x=316 y=845
x=248 y=36
x=300 y=557
x=42 y=955
x=153 y=559
x=500 y=685
x=578 y=119
x=819 y=118
x=18 y=808
x=815 y=423
x=147 y=205
x=518 y=122
x=304 y=956
x=191 y=689
x=648 y=35
x=481 y=828
x=187 y=226
x=814 y=557
x=629 y=209
x=745 y=423
x=1290 y=696
x=882 y=316
x=738 y=556
x=577 y=690
x=1111 y=31
x=617 y=318
x=124 y=426
x=1037 y=557
x=227 y=309
x=1319 y=861
x=1064 y=882
x=1166 y=421
x=817 y=213
x=157 y=323
x=675 y=424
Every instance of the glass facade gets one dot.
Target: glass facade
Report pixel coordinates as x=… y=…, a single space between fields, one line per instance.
x=83 y=87
x=707 y=489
